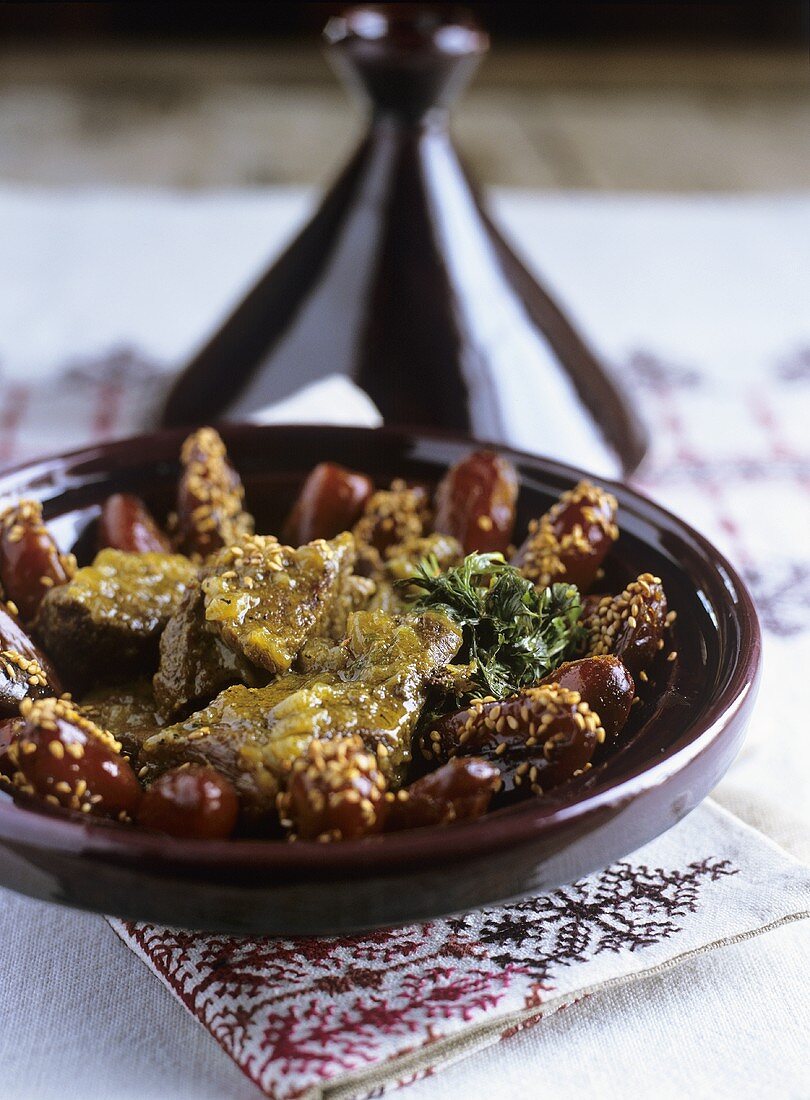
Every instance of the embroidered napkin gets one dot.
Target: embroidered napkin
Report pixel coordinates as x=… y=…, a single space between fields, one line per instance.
x=714 y=344
x=369 y=1012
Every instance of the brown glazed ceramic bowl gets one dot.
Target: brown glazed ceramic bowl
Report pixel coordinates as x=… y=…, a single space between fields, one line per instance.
x=681 y=739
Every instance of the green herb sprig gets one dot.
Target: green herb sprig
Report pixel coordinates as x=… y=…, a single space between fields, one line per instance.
x=513 y=632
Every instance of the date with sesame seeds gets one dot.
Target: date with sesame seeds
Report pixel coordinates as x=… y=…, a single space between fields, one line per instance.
x=631 y=625
x=475 y=502
x=537 y=739
x=9 y=728
x=30 y=561
x=191 y=801
x=331 y=500
x=210 y=497
x=572 y=539
x=392 y=517
x=21 y=678
x=335 y=791
x=25 y=671
x=63 y=758
x=459 y=790
x=127 y=524
x=606 y=686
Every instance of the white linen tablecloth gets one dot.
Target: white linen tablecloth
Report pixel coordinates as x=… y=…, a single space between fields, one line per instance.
x=701 y=303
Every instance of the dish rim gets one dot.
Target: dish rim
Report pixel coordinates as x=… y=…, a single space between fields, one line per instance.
x=521 y=824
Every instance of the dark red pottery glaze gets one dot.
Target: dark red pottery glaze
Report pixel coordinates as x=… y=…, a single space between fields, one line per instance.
x=401 y=281
x=679 y=742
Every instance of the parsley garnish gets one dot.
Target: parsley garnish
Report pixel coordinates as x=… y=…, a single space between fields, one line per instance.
x=513 y=632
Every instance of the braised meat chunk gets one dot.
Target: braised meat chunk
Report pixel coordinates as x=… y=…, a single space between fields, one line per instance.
x=127 y=711
x=105 y=623
x=275 y=611
x=195 y=664
x=264 y=599
x=253 y=735
x=352 y=594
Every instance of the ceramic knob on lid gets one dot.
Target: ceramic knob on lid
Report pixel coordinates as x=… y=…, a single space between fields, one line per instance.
x=401 y=282
x=409 y=60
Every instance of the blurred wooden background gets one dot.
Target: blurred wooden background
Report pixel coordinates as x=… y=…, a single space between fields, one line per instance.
x=672 y=97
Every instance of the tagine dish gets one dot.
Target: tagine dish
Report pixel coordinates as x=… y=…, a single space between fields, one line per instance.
x=391 y=658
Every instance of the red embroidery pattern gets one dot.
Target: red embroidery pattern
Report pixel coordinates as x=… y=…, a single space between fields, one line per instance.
x=687 y=464
x=295 y=1013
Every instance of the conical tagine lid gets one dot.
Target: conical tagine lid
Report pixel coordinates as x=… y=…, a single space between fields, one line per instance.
x=402 y=283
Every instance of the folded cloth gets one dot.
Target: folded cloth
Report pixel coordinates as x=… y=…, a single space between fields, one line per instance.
x=715 y=345
x=305 y=1017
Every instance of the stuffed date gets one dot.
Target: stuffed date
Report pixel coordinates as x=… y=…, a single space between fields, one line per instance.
x=537 y=739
